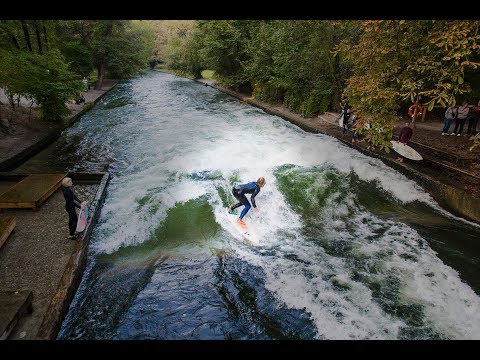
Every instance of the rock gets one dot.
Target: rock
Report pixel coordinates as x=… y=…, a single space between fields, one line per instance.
x=5 y=126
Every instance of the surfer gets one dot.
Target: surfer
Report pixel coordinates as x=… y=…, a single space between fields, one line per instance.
x=71 y=201
x=404 y=137
x=239 y=192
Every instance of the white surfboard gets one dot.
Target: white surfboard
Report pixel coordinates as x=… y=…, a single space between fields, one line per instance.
x=245 y=231
x=406 y=151
x=82 y=220
x=340 y=120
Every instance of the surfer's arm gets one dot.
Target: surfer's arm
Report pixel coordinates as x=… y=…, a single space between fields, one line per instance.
x=252 y=199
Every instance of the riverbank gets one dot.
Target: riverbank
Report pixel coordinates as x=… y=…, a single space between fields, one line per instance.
x=451 y=178
x=38 y=257
x=28 y=137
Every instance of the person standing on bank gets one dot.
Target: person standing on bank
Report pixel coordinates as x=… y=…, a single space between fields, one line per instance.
x=404 y=137
x=239 y=192
x=450 y=115
x=460 y=120
x=71 y=202
x=415 y=112
x=473 y=117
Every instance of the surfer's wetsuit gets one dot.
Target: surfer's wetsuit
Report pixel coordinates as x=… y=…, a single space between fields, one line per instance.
x=71 y=201
x=239 y=192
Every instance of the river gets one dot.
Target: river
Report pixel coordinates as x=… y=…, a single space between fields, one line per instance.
x=349 y=248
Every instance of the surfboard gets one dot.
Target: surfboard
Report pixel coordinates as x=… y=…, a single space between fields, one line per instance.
x=340 y=120
x=406 y=151
x=82 y=220
x=245 y=231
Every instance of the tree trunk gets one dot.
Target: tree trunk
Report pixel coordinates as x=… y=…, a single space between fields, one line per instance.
x=30 y=111
x=26 y=34
x=14 y=40
x=12 y=101
x=39 y=42
x=45 y=36
x=101 y=75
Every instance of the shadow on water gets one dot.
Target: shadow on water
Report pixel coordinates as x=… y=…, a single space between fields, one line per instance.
x=116 y=279
x=219 y=297
x=176 y=286
x=253 y=312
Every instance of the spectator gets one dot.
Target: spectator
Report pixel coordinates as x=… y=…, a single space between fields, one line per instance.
x=460 y=120
x=415 y=112
x=356 y=125
x=450 y=115
x=404 y=137
x=85 y=84
x=343 y=101
x=473 y=117
x=346 y=112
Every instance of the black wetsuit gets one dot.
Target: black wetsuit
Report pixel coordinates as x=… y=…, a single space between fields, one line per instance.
x=239 y=192
x=71 y=201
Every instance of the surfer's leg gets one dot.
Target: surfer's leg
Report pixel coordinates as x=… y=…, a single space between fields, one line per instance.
x=238 y=197
x=233 y=207
x=245 y=209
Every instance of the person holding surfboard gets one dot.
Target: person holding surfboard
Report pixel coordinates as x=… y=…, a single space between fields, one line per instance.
x=71 y=201
x=404 y=137
x=239 y=192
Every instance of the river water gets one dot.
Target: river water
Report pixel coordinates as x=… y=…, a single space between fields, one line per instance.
x=349 y=248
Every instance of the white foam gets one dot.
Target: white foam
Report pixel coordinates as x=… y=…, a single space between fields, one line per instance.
x=168 y=146
x=384 y=250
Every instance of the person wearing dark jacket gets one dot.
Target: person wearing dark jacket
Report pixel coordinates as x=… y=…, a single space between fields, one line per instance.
x=71 y=202
x=474 y=115
x=405 y=136
x=239 y=192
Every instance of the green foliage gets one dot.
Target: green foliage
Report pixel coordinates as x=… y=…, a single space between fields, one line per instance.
x=451 y=48
x=88 y=105
x=476 y=142
x=130 y=50
x=182 y=55
x=164 y=30
x=44 y=60
x=397 y=61
x=78 y=56
x=207 y=74
x=52 y=85
x=223 y=48
x=45 y=78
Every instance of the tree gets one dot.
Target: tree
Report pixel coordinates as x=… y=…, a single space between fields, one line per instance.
x=41 y=75
x=182 y=53
x=395 y=61
x=164 y=30
x=120 y=47
x=224 y=49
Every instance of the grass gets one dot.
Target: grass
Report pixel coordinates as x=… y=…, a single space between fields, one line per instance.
x=207 y=74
